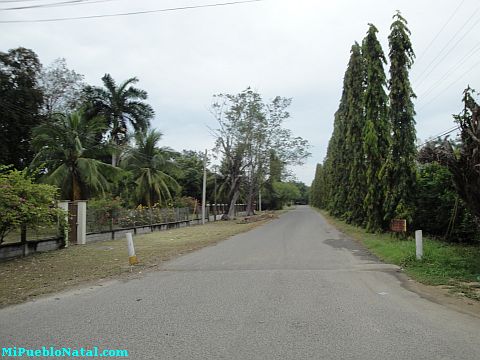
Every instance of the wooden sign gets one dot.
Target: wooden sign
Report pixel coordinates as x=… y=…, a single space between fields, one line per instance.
x=398 y=225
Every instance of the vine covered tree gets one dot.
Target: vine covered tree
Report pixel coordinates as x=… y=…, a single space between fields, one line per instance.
x=122 y=106
x=354 y=125
x=400 y=169
x=377 y=129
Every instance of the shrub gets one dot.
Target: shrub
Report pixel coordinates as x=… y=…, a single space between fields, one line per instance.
x=24 y=203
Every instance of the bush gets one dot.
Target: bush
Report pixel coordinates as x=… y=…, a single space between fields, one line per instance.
x=439 y=210
x=24 y=203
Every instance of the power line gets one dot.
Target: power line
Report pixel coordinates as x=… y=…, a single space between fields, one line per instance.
x=452 y=70
x=447 y=45
x=440 y=31
x=433 y=138
x=450 y=85
x=55 y=4
x=449 y=51
x=130 y=13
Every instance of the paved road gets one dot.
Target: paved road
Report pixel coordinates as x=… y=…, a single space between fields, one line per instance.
x=292 y=289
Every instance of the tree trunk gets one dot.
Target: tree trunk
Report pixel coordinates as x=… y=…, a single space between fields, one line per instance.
x=251 y=199
x=76 y=193
x=231 y=209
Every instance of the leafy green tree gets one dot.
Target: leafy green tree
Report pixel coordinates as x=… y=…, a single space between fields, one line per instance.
x=376 y=132
x=248 y=130
x=354 y=125
x=400 y=168
x=24 y=203
x=190 y=173
x=286 y=192
x=122 y=106
x=20 y=103
x=150 y=167
x=65 y=147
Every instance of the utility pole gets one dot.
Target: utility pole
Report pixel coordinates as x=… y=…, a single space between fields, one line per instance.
x=215 y=193
x=260 y=199
x=204 y=188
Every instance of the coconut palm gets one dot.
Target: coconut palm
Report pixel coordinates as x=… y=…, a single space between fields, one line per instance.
x=122 y=106
x=64 y=150
x=150 y=167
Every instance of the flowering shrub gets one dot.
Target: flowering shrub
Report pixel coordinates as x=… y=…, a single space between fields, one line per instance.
x=22 y=202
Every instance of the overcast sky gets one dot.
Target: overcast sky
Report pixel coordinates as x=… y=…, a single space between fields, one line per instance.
x=296 y=49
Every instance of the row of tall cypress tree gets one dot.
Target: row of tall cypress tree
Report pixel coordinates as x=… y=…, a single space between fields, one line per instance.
x=368 y=175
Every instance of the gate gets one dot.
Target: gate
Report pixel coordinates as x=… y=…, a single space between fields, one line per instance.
x=72 y=222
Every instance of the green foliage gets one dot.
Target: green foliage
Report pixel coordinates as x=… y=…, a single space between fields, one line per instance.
x=22 y=202
x=376 y=131
x=122 y=106
x=400 y=169
x=20 y=103
x=65 y=148
x=436 y=193
x=149 y=166
x=286 y=193
x=354 y=125
x=190 y=173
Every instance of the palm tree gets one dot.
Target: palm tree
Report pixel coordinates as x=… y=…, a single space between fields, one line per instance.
x=64 y=149
x=150 y=167
x=122 y=106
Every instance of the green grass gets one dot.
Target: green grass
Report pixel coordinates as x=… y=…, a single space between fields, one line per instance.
x=454 y=265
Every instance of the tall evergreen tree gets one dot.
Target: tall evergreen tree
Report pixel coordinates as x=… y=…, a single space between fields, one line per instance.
x=400 y=169
x=354 y=124
x=336 y=157
x=376 y=132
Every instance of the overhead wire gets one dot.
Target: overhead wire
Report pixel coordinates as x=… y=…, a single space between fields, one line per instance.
x=452 y=70
x=440 y=31
x=450 y=85
x=428 y=70
x=131 y=12
x=433 y=138
x=55 y=4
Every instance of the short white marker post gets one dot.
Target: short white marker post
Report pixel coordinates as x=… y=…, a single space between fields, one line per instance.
x=419 y=244
x=132 y=258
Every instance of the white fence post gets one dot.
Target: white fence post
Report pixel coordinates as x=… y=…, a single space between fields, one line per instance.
x=132 y=258
x=81 y=222
x=419 y=244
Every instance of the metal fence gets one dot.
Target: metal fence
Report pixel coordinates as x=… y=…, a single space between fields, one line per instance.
x=99 y=220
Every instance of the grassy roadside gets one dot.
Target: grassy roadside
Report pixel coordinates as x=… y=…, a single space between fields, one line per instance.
x=25 y=278
x=451 y=266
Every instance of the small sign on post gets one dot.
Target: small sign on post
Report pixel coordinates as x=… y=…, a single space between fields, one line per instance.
x=132 y=258
x=419 y=244
x=398 y=225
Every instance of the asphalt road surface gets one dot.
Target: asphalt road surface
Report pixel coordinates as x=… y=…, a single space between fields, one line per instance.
x=293 y=289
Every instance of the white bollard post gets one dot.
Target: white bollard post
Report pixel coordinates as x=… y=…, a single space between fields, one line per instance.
x=419 y=244
x=132 y=258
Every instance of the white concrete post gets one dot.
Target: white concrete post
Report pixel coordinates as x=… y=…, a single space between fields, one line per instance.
x=259 y=200
x=419 y=244
x=132 y=258
x=63 y=204
x=81 y=222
